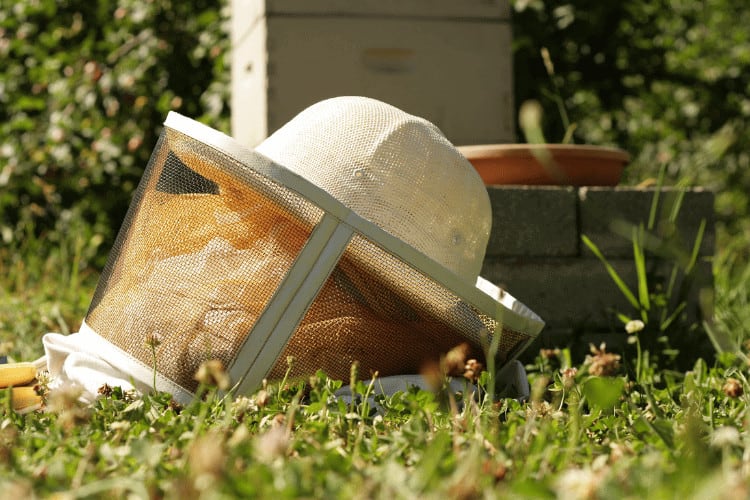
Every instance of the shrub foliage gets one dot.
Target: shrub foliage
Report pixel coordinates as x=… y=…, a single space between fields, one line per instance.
x=666 y=80
x=84 y=88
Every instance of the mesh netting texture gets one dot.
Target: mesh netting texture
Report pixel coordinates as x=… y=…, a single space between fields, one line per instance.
x=196 y=261
x=372 y=310
x=395 y=170
x=208 y=241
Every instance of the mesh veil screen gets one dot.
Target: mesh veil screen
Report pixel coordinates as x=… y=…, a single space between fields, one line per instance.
x=198 y=257
x=206 y=243
x=358 y=317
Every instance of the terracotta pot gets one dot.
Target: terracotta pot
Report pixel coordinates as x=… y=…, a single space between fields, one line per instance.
x=556 y=164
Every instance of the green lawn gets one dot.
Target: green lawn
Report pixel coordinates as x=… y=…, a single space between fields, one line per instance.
x=591 y=430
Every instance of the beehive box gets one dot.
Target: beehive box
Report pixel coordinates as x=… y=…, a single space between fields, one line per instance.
x=447 y=61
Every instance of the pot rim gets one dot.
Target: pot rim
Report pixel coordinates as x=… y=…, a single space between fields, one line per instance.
x=482 y=151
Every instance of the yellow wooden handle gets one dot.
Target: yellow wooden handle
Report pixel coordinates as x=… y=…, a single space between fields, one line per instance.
x=25 y=399
x=15 y=374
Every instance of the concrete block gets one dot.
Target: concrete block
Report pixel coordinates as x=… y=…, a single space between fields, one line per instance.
x=533 y=221
x=606 y=213
x=535 y=252
x=570 y=293
x=578 y=293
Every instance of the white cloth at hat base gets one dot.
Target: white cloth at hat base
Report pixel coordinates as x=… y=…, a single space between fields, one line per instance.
x=85 y=360
x=72 y=361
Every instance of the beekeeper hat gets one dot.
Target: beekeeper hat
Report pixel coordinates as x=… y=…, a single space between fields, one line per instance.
x=356 y=232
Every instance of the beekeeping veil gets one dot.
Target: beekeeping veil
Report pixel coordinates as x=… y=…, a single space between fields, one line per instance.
x=356 y=232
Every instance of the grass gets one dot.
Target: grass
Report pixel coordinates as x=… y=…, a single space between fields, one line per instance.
x=43 y=288
x=598 y=429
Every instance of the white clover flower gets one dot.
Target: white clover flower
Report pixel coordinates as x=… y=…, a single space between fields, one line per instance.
x=120 y=425
x=243 y=404
x=725 y=436
x=634 y=326
x=7 y=150
x=576 y=484
x=272 y=444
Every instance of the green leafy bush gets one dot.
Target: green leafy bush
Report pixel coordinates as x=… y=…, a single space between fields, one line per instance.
x=84 y=88
x=669 y=81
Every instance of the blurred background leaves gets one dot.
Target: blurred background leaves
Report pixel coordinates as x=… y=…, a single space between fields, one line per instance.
x=669 y=81
x=84 y=88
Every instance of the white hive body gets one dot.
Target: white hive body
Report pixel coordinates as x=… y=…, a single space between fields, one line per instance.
x=447 y=61
x=354 y=233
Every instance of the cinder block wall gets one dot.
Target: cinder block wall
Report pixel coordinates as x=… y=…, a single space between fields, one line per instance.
x=536 y=253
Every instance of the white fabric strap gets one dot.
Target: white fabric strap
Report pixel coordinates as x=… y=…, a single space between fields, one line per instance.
x=87 y=360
